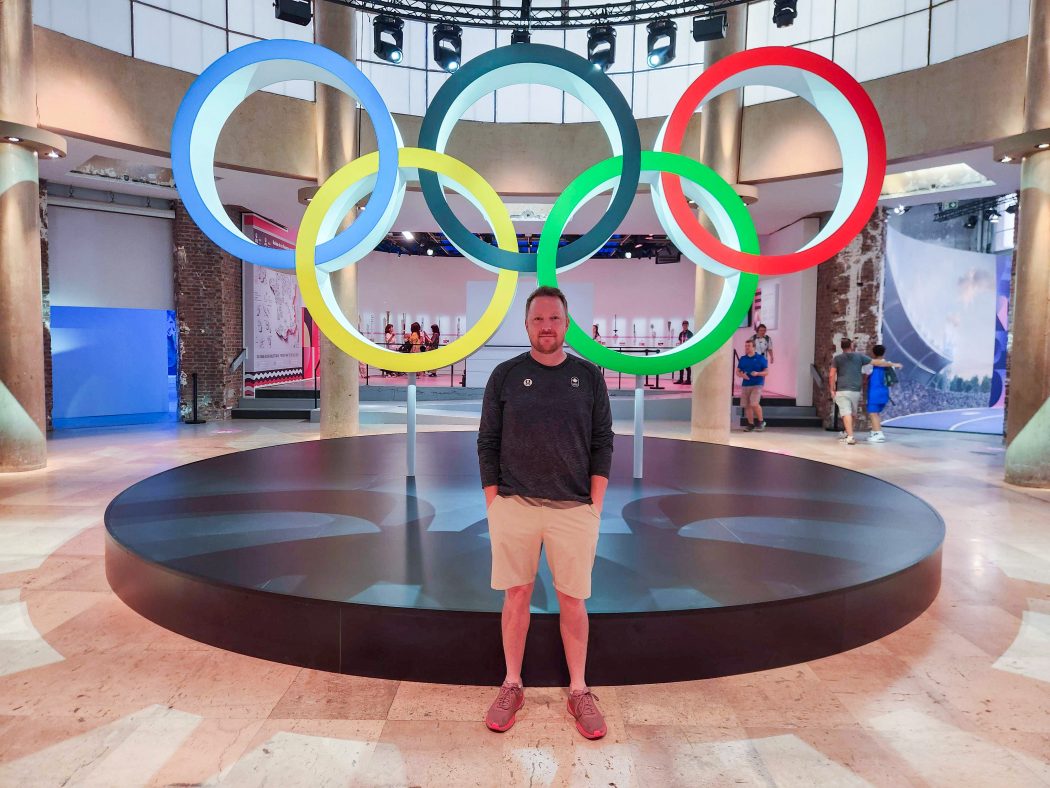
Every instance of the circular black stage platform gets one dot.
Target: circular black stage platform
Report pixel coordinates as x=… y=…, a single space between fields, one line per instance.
x=723 y=560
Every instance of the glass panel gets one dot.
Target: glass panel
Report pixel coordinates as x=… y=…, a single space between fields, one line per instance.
x=152 y=35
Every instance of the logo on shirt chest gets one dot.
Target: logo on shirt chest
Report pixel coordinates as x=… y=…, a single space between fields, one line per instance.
x=528 y=382
x=575 y=382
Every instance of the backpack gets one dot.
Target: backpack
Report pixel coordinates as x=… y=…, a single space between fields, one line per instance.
x=890 y=377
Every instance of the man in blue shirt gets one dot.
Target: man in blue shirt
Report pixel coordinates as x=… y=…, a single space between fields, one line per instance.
x=752 y=370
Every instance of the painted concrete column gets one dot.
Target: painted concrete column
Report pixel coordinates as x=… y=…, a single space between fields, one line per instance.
x=720 y=123
x=22 y=417
x=338 y=142
x=1028 y=417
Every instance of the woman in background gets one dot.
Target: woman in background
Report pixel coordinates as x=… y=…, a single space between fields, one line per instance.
x=389 y=338
x=433 y=343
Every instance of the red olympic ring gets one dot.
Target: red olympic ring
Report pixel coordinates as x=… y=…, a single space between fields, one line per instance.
x=860 y=103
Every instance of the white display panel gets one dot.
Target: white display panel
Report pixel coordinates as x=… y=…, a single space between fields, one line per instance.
x=102 y=259
x=105 y=23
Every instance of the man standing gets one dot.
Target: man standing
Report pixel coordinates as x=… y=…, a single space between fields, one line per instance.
x=684 y=336
x=763 y=343
x=878 y=392
x=545 y=448
x=844 y=381
x=752 y=369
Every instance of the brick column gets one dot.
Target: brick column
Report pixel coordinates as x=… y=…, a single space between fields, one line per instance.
x=849 y=304
x=211 y=324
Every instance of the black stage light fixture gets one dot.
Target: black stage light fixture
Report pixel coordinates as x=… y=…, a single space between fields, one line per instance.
x=388 y=37
x=448 y=46
x=601 y=46
x=1011 y=208
x=971 y=222
x=710 y=28
x=992 y=216
x=298 y=12
x=662 y=39
x=784 y=12
x=520 y=35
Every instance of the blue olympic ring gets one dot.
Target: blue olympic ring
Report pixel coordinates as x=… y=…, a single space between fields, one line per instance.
x=213 y=97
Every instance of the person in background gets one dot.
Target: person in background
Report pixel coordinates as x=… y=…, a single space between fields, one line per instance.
x=878 y=392
x=433 y=343
x=415 y=338
x=684 y=336
x=389 y=339
x=594 y=333
x=845 y=380
x=752 y=369
x=763 y=343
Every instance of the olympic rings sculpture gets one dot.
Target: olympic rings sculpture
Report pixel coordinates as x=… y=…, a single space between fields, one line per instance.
x=732 y=252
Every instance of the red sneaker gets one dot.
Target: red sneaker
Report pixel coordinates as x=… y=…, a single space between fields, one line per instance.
x=501 y=714
x=589 y=720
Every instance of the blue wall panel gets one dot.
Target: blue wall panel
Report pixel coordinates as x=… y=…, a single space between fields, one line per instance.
x=112 y=366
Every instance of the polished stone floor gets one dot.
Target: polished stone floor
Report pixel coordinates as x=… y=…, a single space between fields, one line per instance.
x=92 y=694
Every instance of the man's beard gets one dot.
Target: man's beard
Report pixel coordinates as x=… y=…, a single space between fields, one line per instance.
x=550 y=349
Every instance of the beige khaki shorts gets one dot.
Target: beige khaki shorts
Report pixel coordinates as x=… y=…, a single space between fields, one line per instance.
x=750 y=396
x=848 y=402
x=519 y=526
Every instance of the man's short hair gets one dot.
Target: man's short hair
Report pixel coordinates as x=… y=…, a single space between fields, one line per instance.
x=846 y=343
x=748 y=342
x=878 y=351
x=551 y=292
x=685 y=322
x=759 y=326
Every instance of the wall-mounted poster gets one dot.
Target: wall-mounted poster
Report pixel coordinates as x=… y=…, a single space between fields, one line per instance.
x=273 y=312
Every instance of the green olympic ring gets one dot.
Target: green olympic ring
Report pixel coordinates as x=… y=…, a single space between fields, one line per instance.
x=732 y=222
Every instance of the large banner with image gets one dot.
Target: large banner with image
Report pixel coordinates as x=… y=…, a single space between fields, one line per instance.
x=945 y=318
x=273 y=312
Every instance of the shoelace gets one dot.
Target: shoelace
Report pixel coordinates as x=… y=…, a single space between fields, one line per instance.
x=585 y=703
x=505 y=695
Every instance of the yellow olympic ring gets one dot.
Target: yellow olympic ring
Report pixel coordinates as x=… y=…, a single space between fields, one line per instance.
x=316 y=284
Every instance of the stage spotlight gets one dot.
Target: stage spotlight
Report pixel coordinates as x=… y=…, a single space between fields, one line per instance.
x=971 y=222
x=784 y=12
x=298 y=12
x=991 y=216
x=662 y=39
x=899 y=210
x=408 y=236
x=627 y=255
x=448 y=46
x=601 y=46
x=430 y=251
x=520 y=35
x=710 y=28
x=388 y=36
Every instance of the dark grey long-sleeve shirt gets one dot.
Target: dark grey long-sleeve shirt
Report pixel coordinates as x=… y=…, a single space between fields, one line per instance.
x=545 y=430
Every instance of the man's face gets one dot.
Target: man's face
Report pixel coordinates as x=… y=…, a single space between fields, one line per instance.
x=749 y=348
x=761 y=331
x=546 y=324
x=685 y=326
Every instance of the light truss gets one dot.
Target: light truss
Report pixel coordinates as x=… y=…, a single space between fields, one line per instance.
x=501 y=14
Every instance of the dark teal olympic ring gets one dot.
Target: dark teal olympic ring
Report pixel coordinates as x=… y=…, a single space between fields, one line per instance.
x=544 y=65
